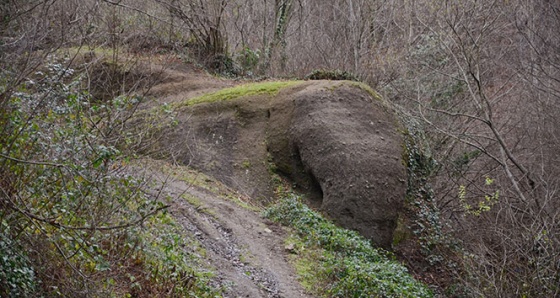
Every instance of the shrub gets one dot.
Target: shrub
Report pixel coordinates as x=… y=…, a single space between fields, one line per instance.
x=249 y=60
x=68 y=196
x=17 y=277
x=335 y=75
x=440 y=251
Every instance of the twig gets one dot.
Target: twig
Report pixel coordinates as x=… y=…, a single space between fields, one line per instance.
x=33 y=162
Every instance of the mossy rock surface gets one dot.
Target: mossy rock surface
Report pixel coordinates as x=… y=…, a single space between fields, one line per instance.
x=244 y=90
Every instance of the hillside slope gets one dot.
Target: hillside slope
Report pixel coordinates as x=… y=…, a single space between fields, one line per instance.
x=242 y=147
x=245 y=251
x=335 y=140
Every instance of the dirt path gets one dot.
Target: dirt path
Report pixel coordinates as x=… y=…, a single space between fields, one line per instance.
x=246 y=250
x=182 y=81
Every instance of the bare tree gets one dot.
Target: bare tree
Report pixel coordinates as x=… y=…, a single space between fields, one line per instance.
x=494 y=180
x=204 y=21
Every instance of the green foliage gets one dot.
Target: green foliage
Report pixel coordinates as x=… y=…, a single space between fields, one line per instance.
x=17 y=277
x=440 y=249
x=172 y=261
x=335 y=75
x=83 y=165
x=249 y=60
x=66 y=191
x=69 y=200
x=224 y=65
x=420 y=196
x=349 y=265
x=483 y=205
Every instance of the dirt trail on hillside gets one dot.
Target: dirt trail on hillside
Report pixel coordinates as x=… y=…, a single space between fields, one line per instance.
x=181 y=81
x=246 y=251
x=335 y=140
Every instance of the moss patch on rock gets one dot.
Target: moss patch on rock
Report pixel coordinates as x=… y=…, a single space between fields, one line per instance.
x=266 y=88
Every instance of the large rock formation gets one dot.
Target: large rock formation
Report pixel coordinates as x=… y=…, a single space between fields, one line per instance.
x=335 y=140
x=350 y=144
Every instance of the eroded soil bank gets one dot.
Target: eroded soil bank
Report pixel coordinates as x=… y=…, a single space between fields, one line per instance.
x=335 y=140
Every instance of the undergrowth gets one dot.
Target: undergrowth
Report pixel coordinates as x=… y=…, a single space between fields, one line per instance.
x=172 y=262
x=74 y=222
x=335 y=262
x=336 y=75
x=441 y=252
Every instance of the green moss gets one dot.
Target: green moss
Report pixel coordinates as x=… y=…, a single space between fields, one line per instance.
x=402 y=232
x=246 y=164
x=198 y=204
x=198 y=179
x=194 y=201
x=241 y=202
x=366 y=88
x=358 y=85
x=245 y=256
x=270 y=88
x=305 y=261
x=191 y=177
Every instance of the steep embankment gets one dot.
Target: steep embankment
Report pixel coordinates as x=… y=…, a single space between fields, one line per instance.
x=335 y=140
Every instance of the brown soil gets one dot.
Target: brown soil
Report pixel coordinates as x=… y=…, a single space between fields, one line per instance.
x=335 y=141
x=350 y=145
x=245 y=250
x=179 y=81
x=338 y=144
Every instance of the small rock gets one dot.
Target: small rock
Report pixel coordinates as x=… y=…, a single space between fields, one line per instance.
x=291 y=248
x=268 y=230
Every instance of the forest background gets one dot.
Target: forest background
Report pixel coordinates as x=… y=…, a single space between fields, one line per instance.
x=476 y=84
